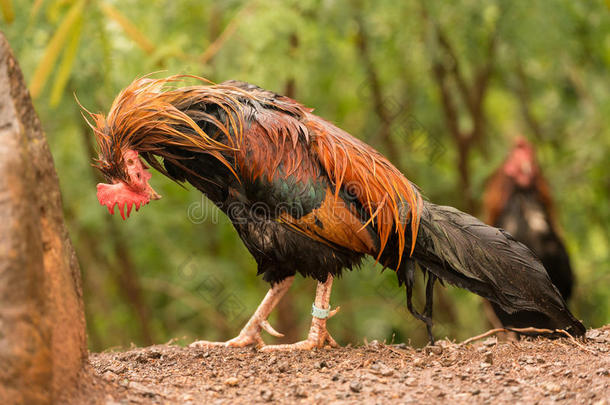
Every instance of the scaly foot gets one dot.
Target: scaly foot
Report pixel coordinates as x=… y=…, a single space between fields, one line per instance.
x=318 y=337
x=249 y=335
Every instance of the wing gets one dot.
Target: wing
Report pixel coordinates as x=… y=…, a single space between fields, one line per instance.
x=392 y=202
x=286 y=147
x=335 y=222
x=285 y=181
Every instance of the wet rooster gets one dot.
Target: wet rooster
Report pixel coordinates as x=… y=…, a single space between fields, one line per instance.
x=305 y=197
x=517 y=199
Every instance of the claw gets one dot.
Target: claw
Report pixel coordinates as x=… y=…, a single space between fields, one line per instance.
x=332 y=342
x=333 y=312
x=269 y=329
x=243 y=340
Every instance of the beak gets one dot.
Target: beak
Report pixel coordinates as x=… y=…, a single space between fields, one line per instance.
x=153 y=194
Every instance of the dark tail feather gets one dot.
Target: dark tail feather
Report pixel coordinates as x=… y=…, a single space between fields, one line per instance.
x=463 y=251
x=406 y=275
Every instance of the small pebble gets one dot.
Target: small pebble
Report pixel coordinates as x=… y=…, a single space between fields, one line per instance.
x=387 y=371
x=300 y=392
x=552 y=387
x=355 y=386
x=434 y=350
x=141 y=358
x=109 y=376
x=531 y=369
x=117 y=368
x=321 y=364
x=593 y=333
x=410 y=381
x=561 y=396
x=232 y=381
x=201 y=355
x=419 y=362
x=143 y=389
x=381 y=368
x=267 y=395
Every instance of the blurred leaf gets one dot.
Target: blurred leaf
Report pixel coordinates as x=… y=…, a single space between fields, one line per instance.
x=229 y=30
x=54 y=48
x=56 y=8
x=130 y=29
x=35 y=9
x=65 y=66
x=7 y=10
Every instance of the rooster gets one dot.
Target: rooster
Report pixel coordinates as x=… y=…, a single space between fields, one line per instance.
x=517 y=199
x=305 y=197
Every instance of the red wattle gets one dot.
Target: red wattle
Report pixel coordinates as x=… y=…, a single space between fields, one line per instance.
x=122 y=195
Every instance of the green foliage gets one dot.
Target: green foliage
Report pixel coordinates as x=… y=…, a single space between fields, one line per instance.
x=549 y=82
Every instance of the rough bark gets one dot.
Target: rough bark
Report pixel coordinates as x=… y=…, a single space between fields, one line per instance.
x=42 y=324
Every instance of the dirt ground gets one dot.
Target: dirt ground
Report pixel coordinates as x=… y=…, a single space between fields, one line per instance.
x=533 y=370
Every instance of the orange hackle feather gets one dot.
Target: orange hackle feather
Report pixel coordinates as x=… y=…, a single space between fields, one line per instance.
x=150 y=115
x=147 y=117
x=382 y=189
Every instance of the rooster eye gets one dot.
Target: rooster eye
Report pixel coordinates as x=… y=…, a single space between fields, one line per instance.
x=129 y=162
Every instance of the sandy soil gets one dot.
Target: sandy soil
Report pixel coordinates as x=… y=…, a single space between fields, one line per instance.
x=533 y=370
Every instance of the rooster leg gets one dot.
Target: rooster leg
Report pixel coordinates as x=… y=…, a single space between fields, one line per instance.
x=251 y=333
x=318 y=334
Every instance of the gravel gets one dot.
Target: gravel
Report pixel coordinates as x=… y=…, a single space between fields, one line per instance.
x=488 y=371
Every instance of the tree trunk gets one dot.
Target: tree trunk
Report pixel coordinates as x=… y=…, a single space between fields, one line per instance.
x=42 y=325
